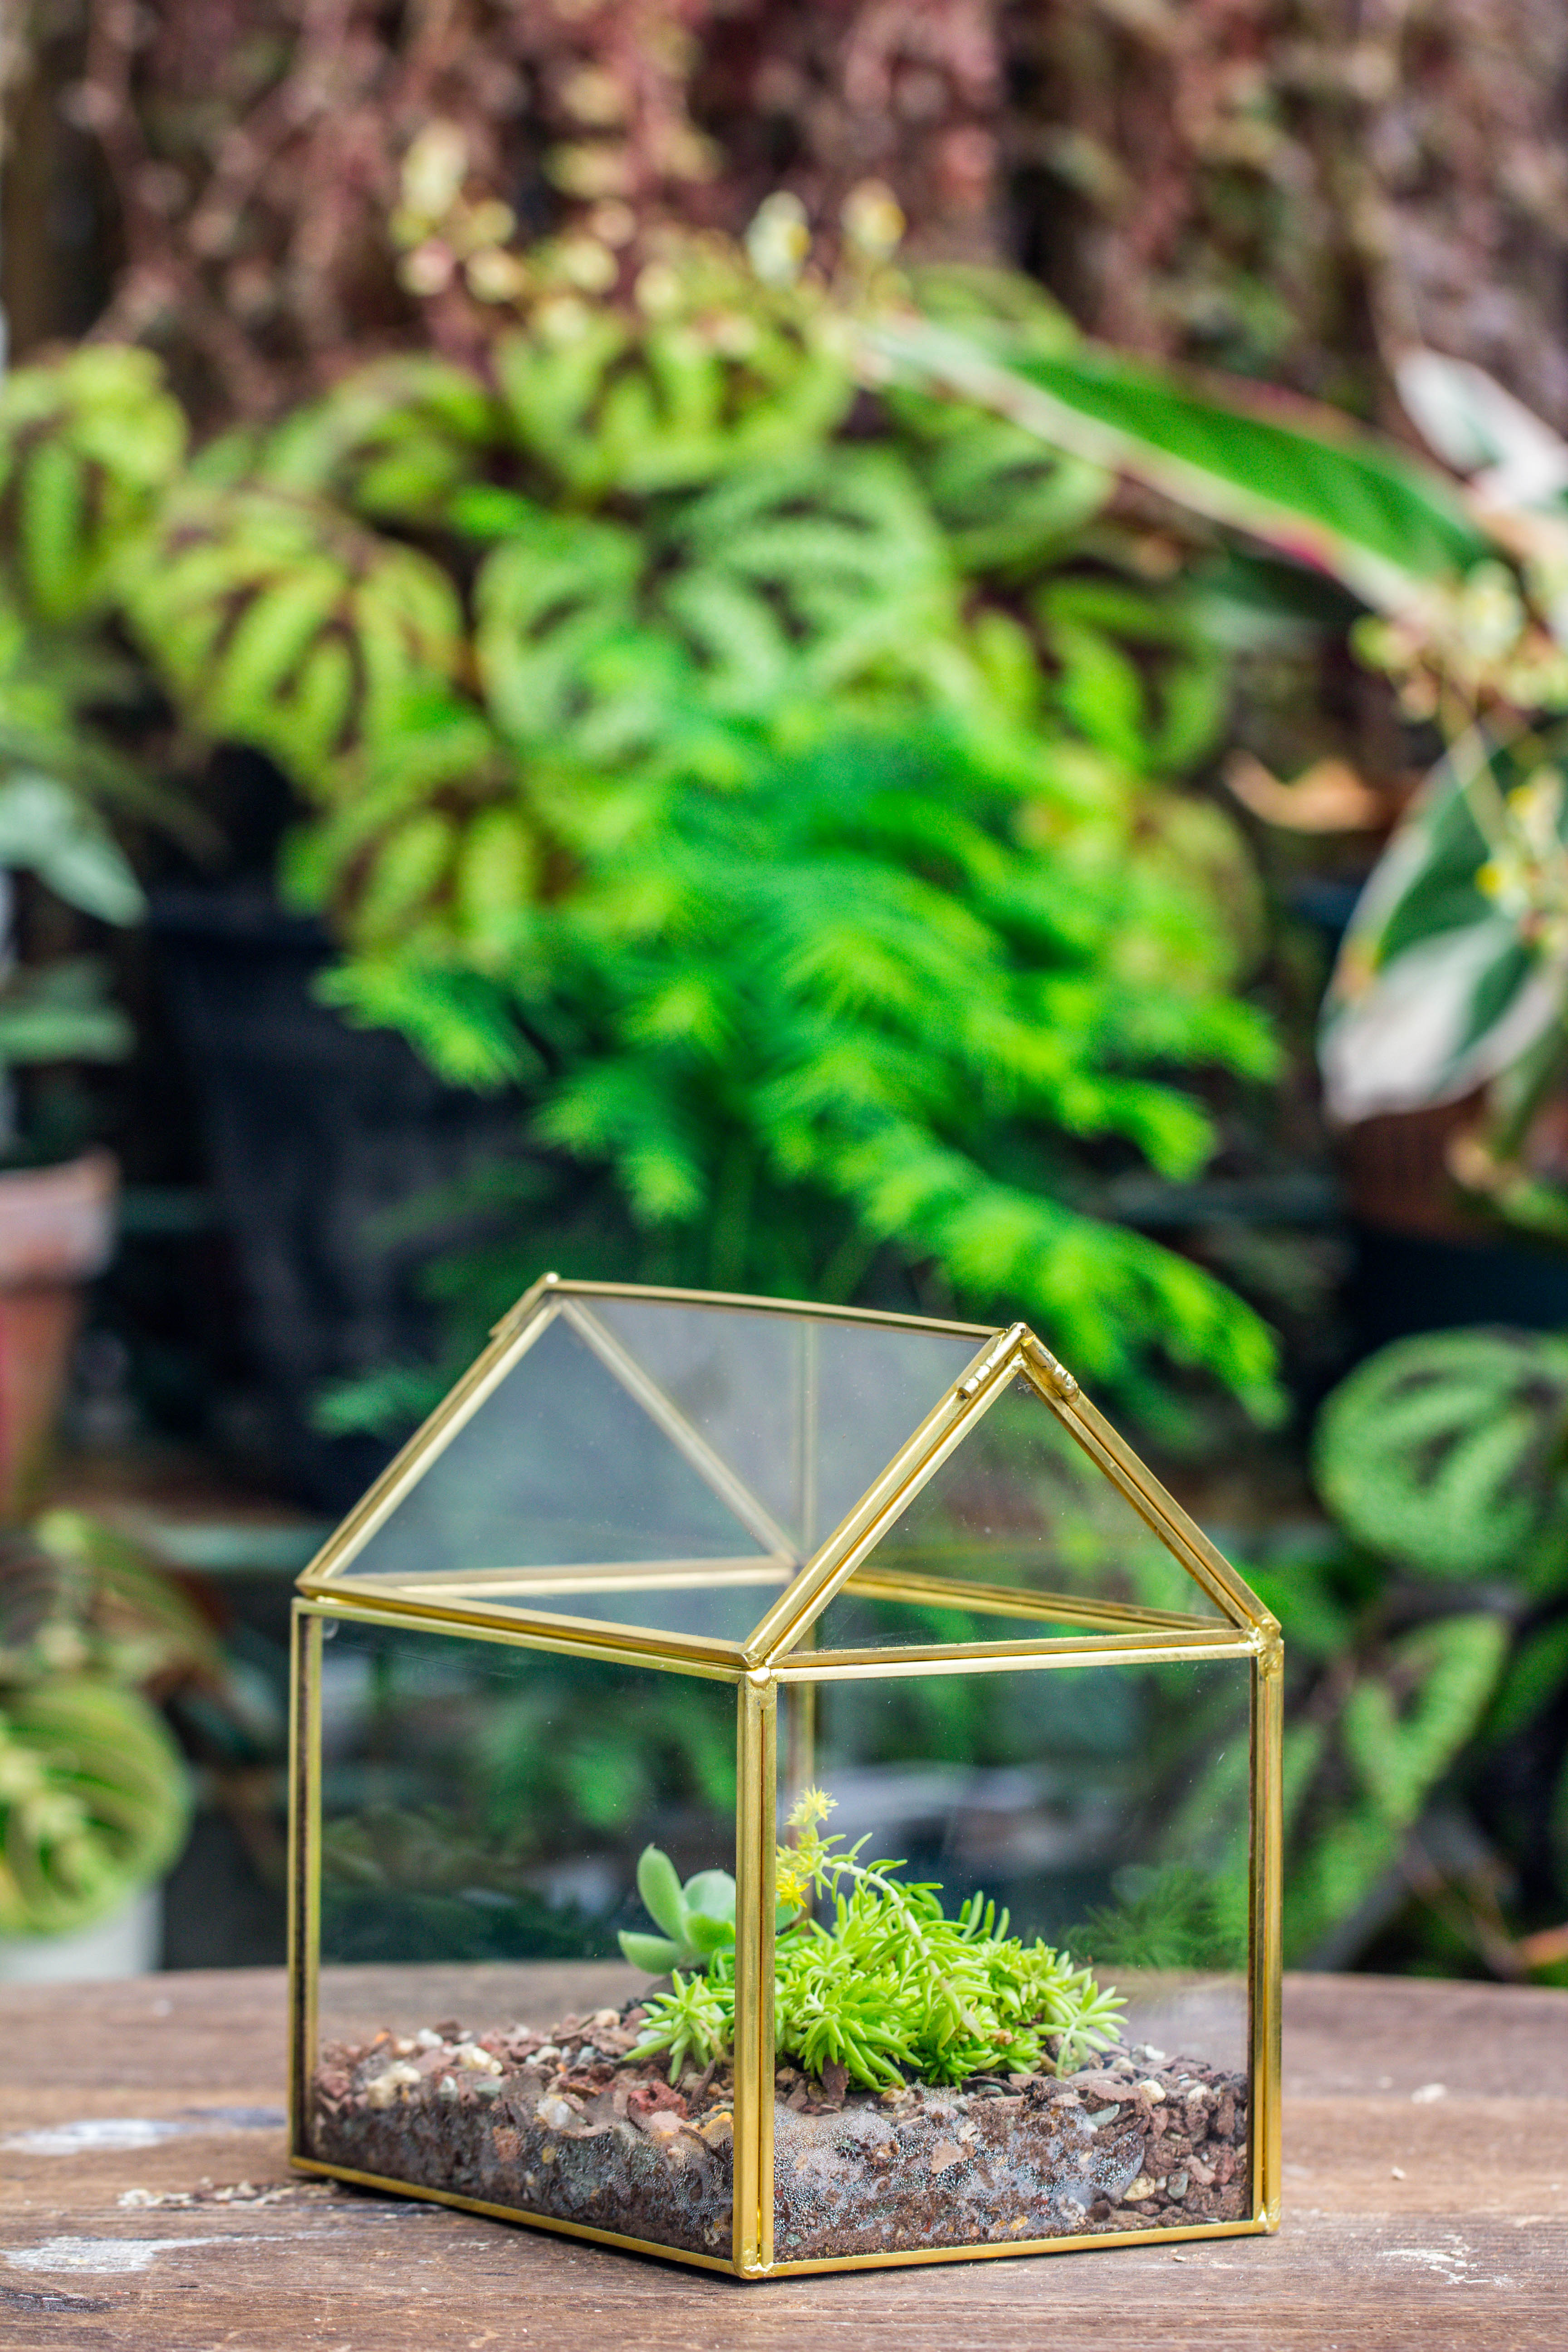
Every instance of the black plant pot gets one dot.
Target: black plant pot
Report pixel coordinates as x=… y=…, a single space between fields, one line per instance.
x=1403 y=1283
x=313 y=1130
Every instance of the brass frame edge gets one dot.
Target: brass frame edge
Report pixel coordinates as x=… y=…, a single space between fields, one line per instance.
x=573 y=1637
x=916 y=1461
x=433 y=1435
x=519 y=1309
x=511 y=2213
x=304 y=1847
x=1267 y=1927
x=629 y=1645
x=1085 y=2242
x=897 y=1583
x=717 y=1574
x=756 y=1753
x=560 y=1286
x=1001 y=1657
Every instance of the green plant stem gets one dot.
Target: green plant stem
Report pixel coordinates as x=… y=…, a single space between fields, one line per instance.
x=961 y=2009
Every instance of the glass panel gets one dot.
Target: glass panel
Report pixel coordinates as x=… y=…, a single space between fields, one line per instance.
x=1106 y=1808
x=856 y=1619
x=639 y=1431
x=1019 y=1502
x=483 y=1811
x=713 y=1612
x=559 y=1464
x=806 y=1411
x=875 y=1387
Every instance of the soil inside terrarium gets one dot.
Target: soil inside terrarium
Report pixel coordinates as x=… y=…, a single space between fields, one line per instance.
x=570 y=2125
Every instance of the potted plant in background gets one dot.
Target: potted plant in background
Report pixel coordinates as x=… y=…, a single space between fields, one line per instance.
x=682 y=733
x=56 y=1212
x=94 y=1794
x=59 y=769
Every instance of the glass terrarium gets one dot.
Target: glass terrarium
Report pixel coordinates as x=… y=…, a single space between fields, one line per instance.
x=784 y=1788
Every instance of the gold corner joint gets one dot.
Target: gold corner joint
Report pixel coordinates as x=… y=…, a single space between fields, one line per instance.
x=1060 y=1379
x=996 y=1355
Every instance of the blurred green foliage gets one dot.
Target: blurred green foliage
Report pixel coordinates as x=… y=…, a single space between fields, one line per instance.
x=1167 y=1918
x=1427 y=1648
x=463 y=1786
x=94 y=1797
x=771 y=776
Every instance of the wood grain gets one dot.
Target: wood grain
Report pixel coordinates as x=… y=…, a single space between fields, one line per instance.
x=1470 y=2248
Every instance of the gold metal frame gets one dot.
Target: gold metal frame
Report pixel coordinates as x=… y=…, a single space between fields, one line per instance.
x=779 y=1655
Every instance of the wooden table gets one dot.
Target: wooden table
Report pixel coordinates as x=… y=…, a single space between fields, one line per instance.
x=1414 y=2218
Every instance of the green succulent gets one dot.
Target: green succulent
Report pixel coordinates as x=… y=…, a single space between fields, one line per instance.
x=698 y=1919
x=891 y=1988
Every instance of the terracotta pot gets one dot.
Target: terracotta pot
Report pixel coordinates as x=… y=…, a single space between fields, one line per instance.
x=1396 y=1177
x=57 y=1231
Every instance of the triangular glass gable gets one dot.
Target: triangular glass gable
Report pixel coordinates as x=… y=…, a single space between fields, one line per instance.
x=559 y=1466
x=656 y=1464
x=1016 y=1534
x=807 y=1411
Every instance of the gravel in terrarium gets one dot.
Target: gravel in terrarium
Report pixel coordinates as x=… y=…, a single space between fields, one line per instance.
x=940 y=2084
x=572 y=2126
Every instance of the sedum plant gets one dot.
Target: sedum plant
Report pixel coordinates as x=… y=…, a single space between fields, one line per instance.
x=887 y=1987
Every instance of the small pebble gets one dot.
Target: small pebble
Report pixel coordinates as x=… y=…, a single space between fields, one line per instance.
x=384 y=2089
x=1397 y=2170
x=478 y=2060
x=553 y=2114
x=1427 y=2093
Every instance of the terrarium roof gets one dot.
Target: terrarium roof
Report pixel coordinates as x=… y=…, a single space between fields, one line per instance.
x=724 y=1482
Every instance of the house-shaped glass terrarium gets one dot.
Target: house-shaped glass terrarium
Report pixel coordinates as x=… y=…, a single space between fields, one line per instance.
x=784 y=1788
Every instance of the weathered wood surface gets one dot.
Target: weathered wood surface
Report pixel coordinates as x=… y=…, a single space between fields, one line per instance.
x=1430 y=2222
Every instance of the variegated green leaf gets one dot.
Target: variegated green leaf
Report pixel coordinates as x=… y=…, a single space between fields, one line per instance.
x=1437 y=987
x=1300 y=478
